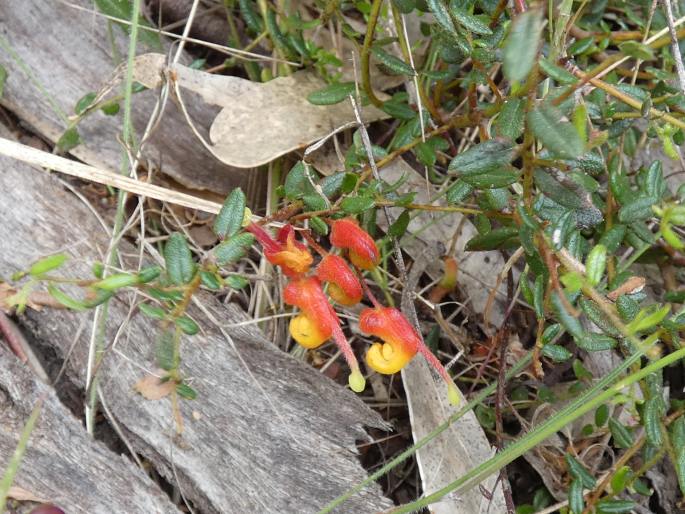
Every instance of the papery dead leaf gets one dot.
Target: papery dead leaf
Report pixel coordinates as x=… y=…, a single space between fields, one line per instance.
x=259 y=121
x=151 y=387
x=454 y=452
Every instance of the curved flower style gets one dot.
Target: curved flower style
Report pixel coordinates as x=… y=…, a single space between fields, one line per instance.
x=292 y=256
x=318 y=322
x=346 y=233
x=343 y=285
x=400 y=343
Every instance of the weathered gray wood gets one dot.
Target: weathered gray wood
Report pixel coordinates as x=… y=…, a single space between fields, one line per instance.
x=62 y=464
x=237 y=454
x=68 y=53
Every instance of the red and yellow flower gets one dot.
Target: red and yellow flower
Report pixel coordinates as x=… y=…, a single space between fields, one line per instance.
x=362 y=250
x=400 y=340
x=291 y=255
x=343 y=285
x=400 y=343
x=318 y=322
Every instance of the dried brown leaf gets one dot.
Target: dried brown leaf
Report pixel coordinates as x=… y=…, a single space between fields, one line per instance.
x=259 y=121
x=151 y=387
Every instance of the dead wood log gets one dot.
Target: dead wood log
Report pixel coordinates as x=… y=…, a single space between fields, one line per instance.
x=69 y=54
x=278 y=439
x=63 y=464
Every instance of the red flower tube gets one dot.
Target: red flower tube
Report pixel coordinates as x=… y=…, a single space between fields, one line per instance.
x=347 y=234
x=343 y=287
x=292 y=256
x=318 y=322
x=400 y=343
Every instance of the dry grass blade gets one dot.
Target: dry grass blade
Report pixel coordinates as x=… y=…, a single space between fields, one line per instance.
x=49 y=161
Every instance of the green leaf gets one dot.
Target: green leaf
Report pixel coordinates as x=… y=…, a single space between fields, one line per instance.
x=230 y=217
x=596 y=342
x=597 y=316
x=69 y=140
x=595 y=264
x=186 y=392
x=637 y=210
x=620 y=479
x=425 y=153
x=210 y=280
x=637 y=50
x=576 y=502
x=3 y=79
x=521 y=46
x=123 y=10
x=601 y=415
x=610 y=506
x=680 y=468
x=442 y=15
x=318 y=225
x=539 y=297
x=551 y=332
x=399 y=227
x=179 y=261
x=648 y=318
x=651 y=419
x=471 y=22
x=570 y=323
x=46 y=264
x=391 y=62
x=299 y=181
x=332 y=94
x=458 y=192
x=116 y=281
x=559 y=137
x=578 y=471
x=627 y=307
x=568 y=194
x=84 y=102
x=233 y=249
x=152 y=311
x=509 y=124
x=187 y=325
x=148 y=274
x=492 y=240
x=338 y=183
x=110 y=108
x=612 y=238
x=560 y=75
x=483 y=157
x=623 y=438
x=357 y=204
x=556 y=353
x=236 y=281
x=165 y=350
x=251 y=17
x=66 y=300
x=493 y=179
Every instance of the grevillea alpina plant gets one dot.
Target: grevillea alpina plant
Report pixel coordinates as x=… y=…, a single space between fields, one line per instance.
x=317 y=321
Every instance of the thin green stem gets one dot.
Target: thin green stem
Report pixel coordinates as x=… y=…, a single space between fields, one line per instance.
x=366 y=49
x=15 y=461
x=101 y=314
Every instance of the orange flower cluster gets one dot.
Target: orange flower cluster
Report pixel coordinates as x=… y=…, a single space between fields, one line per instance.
x=318 y=322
